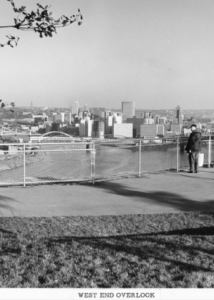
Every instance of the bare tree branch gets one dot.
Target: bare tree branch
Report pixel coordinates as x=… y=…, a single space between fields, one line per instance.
x=39 y=21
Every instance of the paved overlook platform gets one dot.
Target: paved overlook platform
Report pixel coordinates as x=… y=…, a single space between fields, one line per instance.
x=153 y=193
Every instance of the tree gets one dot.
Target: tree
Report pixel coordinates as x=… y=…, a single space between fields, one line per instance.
x=39 y=21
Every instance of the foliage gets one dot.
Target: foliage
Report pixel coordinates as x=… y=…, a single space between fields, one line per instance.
x=39 y=21
x=133 y=251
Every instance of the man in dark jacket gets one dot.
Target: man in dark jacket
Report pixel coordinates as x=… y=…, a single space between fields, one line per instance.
x=193 y=148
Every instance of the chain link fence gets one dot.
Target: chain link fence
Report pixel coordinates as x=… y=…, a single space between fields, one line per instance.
x=23 y=164
x=116 y=159
x=45 y=162
x=158 y=157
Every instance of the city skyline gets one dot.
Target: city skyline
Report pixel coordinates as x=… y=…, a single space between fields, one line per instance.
x=156 y=53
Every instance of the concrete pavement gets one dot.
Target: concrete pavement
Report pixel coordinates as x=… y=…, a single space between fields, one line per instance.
x=153 y=193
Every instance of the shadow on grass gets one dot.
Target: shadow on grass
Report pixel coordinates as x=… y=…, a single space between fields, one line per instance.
x=147 y=246
x=6 y=206
x=2 y=230
x=161 y=198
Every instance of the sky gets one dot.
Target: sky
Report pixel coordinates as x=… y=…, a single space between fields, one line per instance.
x=158 y=53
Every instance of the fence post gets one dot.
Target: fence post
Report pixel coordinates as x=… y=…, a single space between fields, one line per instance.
x=177 y=154
x=139 y=160
x=24 y=166
x=209 y=151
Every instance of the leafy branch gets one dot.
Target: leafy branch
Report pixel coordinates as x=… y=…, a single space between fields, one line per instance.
x=39 y=21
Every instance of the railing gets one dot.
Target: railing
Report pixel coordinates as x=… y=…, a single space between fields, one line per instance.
x=46 y=162
x=24 y=164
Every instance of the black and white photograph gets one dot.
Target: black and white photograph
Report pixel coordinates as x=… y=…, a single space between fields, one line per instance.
x=106 y=149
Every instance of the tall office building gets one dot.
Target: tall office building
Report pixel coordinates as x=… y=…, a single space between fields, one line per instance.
x=160 y=130
x=70 y=119
x=80 y=114
x=98 y=129
x=117 y=118
x=82 y=128
x=85 y=128
x=178 y=114
x=128 y=109
x=75 y=108
x=88 y=127
x=109 y=124
x=136 y=125
x=86 y=107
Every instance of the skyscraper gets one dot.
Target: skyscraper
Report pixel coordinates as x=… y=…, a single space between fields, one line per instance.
x=128 y=109
x=86 y=107
x=70 y=118
x=75 y=108
x=178 y=114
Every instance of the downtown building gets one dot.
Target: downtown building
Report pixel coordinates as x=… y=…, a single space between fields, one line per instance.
x=176 y=128
x=162 y=120
x=137 y=122
x=112 y=118
x=98 y=129
x=98 y=114
x=148 y=131
x=178 y=115
x=75 y=108
x=123 y=130
x=160 y=130
x=128 y=109
x=85 y=127
x=58 y=118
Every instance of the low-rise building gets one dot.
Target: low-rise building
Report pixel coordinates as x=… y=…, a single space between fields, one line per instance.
x=148 y=130
x=123 y=130
x=169 y=134
x=176 y=128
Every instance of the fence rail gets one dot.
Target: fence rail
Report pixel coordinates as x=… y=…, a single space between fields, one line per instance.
x=25 y=164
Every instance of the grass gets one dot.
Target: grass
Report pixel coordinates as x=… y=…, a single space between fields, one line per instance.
x=148 y=251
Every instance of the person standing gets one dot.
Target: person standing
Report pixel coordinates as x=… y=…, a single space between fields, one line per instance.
x=193 y=148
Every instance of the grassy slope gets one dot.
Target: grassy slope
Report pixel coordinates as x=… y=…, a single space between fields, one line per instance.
x=167 y=250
